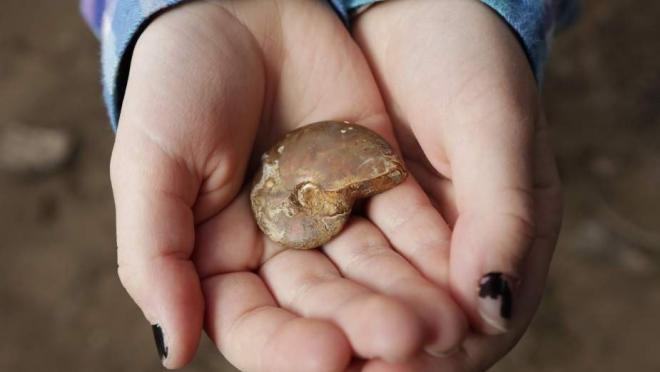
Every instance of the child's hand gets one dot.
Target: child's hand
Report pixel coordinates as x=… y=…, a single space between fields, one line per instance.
x=209 y=88
x=466 y=114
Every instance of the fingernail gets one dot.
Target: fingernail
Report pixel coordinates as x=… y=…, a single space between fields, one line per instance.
x=443 y=354
x=160 y=341
x=496 y=301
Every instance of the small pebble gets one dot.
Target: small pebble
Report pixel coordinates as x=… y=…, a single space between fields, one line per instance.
x=28 y=149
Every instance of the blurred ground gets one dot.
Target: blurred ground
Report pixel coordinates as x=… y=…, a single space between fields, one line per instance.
x=62 y=307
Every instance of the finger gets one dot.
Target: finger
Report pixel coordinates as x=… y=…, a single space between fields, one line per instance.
x=165 y=172
x=363 y=254
x=414 y=228
x=254 y=334
x=307 y=283
x=414 y=365
x=439 y=189
x=481 y=127
x=421 y=363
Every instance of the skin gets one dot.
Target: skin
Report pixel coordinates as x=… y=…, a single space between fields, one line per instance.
x=214 y=83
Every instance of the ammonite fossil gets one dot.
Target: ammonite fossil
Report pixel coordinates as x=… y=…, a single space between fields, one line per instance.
x=308 y=182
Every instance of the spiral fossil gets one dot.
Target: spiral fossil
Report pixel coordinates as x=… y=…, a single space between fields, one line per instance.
x=307 y=183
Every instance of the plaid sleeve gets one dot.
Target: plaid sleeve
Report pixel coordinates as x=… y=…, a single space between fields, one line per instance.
x=117 y=23
x=532 y=20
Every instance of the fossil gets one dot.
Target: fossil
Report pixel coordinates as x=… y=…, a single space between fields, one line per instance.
x=307 y=183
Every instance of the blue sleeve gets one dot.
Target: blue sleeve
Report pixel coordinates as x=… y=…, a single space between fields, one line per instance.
x=118 y=23
x=533 y=22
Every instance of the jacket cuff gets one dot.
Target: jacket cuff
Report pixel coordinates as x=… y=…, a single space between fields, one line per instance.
x=533 y=22
x=118 y=23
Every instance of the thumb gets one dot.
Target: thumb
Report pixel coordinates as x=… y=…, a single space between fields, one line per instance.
x=494 y=192
x=155 y=238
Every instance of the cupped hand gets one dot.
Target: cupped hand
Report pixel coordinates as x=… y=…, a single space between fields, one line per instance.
x=212 y=84
x=466 y=113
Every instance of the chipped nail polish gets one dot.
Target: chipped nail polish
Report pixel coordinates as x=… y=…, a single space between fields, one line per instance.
x=496 y=300
x=160 y=341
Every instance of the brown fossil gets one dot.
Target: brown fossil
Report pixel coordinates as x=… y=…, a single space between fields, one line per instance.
x=308 y=182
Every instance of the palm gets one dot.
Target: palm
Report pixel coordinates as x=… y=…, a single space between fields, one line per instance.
x=362 y=290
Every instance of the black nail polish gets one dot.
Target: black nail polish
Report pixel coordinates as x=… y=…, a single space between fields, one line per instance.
x=497 y=286
x=495 y=303
x=160 y=341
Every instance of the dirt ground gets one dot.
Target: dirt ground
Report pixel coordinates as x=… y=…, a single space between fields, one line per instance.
x=62 y=307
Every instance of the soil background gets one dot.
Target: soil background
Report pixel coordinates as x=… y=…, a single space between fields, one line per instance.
x=62 y=307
